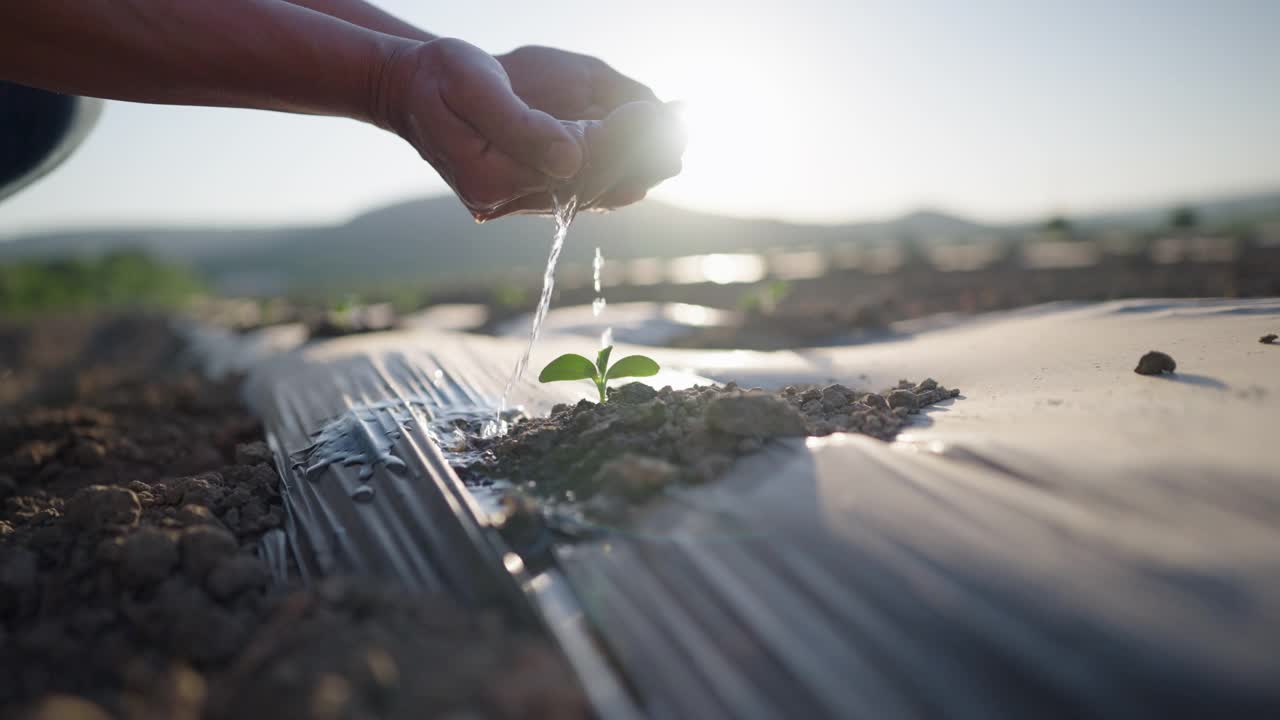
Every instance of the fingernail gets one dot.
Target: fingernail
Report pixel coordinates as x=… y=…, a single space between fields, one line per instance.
x=562 y=160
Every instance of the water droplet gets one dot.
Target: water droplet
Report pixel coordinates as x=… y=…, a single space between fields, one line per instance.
x=362 y=494
x=606 y=338
x=597 y=306
x=438 y=375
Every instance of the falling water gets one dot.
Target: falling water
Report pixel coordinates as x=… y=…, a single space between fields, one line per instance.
x=598 y=305
x=566 y=210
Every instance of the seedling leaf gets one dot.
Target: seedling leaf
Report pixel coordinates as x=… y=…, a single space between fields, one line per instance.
x=602 y=359
x=633 y=366
x=568 y=367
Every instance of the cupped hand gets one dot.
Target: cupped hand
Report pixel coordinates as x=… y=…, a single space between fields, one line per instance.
x=490 y=128
x=570 y=86
x=634 y=148
x=454 y=103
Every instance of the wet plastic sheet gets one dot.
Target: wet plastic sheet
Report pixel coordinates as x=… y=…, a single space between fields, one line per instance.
x=1069 y=539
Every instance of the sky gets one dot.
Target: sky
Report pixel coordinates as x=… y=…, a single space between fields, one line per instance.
x=806 y=110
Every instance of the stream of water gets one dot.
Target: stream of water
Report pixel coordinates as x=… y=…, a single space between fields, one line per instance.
x=598 y=305
x=566 y=208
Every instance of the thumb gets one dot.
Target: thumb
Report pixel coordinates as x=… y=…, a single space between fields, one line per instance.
x=486 y=102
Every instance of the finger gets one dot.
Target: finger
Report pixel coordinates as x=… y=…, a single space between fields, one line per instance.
x=485 y=101
x=611 y=89
x=483 y=176
x=595 y=111
x=621 y=196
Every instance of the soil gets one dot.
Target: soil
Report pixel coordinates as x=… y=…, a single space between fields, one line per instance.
x=1154 y=363
x=132 y=496
x=1269 y=339
x=605 y=459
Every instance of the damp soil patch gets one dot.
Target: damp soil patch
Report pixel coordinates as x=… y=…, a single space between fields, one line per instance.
x=595 y=463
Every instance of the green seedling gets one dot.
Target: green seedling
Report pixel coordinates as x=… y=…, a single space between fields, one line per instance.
x=576 y=367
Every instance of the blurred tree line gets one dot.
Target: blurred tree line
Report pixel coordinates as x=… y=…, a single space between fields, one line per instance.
x=121 y=278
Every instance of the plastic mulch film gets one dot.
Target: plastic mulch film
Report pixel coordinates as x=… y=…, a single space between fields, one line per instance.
x=1009 y=557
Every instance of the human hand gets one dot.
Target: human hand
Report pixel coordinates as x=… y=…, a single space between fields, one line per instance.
x=457 y=105
x=634 y=148
x=568 y=85
x=454 y=103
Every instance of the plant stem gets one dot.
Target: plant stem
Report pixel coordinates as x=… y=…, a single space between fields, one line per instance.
x=600 y=385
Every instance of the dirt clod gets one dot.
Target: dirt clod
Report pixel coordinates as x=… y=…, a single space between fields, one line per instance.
x=234 y=575
x=1154 y=363
x=98 y=507
x=753 y=414
x=904 y=399
x=1269 y=339
x=203 y=547
x=147 y=556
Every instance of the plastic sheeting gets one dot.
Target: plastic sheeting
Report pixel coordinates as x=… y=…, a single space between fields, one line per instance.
x=1068 y=539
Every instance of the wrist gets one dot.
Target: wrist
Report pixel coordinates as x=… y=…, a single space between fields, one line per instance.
x=394 y=62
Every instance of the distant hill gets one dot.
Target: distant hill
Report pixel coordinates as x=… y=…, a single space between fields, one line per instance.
x=435 y=239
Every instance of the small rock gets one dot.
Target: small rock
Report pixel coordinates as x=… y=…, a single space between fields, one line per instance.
x=97 y=507
x=875 y=401
x=632 y=393
x=253 y=453
x=812 y=407
x=810 y=395
x=927 y=384
x=903 y=399
x=636 y=476
x=1154 y=363
x=203 y=547
x=235 y=575
x=560 y=408
x=1269 y=339
x=147 y=557
x=754 y=415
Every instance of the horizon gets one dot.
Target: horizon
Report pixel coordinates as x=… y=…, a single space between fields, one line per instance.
x=1151 y=207
x=823 y=113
